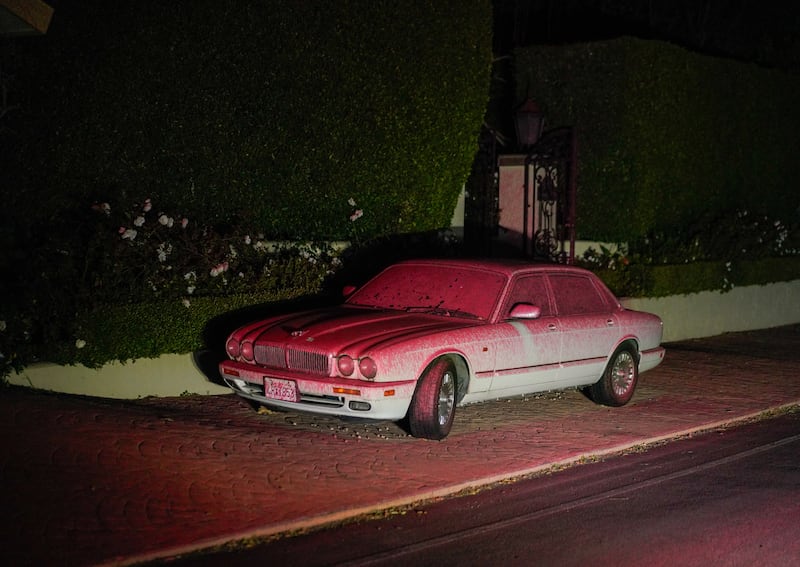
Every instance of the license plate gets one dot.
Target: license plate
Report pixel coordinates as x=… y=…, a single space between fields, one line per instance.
x=278 y=389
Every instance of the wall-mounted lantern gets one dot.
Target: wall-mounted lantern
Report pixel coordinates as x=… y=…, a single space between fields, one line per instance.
x=528 y=121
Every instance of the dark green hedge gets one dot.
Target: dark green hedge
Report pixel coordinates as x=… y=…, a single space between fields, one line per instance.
x=666 y=135
x=637 y=280
x=273 y=113
x=148 y=330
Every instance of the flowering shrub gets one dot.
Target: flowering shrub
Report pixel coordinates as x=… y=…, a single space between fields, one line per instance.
x=114 y=256
x=727 y=240
x=740 y=236
x=734 y=236
x=154 y=254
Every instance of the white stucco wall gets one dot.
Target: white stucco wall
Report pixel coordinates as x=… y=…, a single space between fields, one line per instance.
x=710 y=313
x=167 y=375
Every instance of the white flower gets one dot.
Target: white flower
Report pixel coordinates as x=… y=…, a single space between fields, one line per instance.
x=218 y=269
x=164 y=220
x=186 y=303
x=147 y=205
x=190 y=289
x=190 y=276
x=357 y=215
x=233 y=251
x=184 y=222
x=80 y=343
x=129 y=234
x=139 y=221
x=351 y=202
x=164 y=251
x=247 y=240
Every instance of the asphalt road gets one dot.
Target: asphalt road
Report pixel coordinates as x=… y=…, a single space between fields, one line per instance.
x=725 y=497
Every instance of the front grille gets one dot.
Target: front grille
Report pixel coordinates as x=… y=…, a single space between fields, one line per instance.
x=270 y=355
x=274 y=356
x=312 y=362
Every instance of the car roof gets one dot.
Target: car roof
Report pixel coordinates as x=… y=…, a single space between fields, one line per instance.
x=506 y=266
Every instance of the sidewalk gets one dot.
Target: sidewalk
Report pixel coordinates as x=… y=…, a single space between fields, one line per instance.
x=88 y=481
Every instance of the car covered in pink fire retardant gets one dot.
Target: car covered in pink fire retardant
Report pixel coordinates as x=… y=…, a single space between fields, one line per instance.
x=425 y=336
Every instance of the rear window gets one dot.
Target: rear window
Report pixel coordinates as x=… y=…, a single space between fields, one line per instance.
x=575 y=295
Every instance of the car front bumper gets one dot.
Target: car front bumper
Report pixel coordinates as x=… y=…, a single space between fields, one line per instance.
x=322 y=394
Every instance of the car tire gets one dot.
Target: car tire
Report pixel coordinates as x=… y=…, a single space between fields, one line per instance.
x=619 y=379
x=433 y=406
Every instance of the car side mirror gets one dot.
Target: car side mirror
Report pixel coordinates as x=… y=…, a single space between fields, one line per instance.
x=525 y=311
x=348 y=290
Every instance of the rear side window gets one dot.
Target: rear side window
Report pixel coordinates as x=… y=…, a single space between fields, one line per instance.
x=529 y=289
x=576 y=295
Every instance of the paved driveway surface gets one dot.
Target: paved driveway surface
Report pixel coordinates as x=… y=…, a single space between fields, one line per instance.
x=88 y=481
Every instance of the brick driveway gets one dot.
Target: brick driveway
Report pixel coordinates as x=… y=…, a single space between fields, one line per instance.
x=91 y=481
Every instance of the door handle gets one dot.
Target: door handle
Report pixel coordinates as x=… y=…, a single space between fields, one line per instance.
x=552 y=327
x=609 y=322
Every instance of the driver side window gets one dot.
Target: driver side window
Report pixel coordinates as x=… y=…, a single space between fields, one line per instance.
x=529 y=289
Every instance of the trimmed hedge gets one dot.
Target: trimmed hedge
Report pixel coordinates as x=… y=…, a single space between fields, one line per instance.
x=637 y=280
x=273 y=114
x=148 y=330
x=666 y=135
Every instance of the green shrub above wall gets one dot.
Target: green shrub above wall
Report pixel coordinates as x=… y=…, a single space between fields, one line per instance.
x=278 y=113
x=667 y=135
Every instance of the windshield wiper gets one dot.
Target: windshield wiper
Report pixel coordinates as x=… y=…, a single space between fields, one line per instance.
x=436 y=310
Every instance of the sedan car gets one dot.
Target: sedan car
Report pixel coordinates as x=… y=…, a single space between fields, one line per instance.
x=425 y=336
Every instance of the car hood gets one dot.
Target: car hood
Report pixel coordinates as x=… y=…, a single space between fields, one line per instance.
x=346 y=328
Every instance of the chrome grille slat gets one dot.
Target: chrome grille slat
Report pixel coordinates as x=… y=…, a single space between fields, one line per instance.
x=308 y=361
x=274 y=356
x=270 y=355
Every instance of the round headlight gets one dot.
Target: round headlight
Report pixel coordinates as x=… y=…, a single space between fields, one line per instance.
x=233 y=348
x=368 y=368
x=346 y=365
x=247 y=351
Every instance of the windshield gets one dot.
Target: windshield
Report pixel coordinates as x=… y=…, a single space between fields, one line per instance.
x=440 y=290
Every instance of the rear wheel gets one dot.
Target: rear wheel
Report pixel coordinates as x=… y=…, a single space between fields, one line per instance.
x=433 y=406
x=619 y=380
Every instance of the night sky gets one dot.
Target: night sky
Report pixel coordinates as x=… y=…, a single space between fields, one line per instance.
x=765 y=32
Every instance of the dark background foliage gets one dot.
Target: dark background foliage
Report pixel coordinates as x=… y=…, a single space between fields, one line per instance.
x=261 y=120
x=269 y=113
x=668 y=137
x=253 y=120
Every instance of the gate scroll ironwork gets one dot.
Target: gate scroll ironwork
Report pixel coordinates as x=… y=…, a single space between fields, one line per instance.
x=550 y=178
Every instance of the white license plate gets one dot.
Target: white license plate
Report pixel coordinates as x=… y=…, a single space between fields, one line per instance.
x=278 y=389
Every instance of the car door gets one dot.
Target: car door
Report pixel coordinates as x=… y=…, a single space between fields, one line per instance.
x=589 y=326
x=529 y=351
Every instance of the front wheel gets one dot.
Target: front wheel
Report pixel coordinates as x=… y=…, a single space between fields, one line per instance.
x=619 y=380
x=433 y=406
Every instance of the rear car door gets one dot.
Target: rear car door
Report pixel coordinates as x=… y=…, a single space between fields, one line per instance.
x=589 y=326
